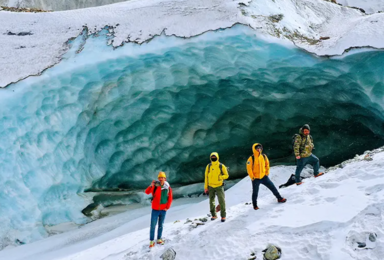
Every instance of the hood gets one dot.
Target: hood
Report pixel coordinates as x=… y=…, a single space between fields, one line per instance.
x=301 y=129
x=166 y=186
x=216 y=154
x=254 y=149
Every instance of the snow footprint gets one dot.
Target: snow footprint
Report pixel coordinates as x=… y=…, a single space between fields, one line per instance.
x=330 y=199
x=374 y=189
x=329 y=185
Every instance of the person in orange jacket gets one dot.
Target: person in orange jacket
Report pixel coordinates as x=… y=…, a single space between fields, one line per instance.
x=162 y=200
x=258 y=171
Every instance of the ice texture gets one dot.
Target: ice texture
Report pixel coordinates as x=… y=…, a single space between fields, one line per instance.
x=108 y=118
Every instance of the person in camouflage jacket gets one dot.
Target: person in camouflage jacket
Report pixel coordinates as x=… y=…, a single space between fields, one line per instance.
x=303 y=147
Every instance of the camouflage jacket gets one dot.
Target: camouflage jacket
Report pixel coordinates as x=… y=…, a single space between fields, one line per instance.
x=303 y=145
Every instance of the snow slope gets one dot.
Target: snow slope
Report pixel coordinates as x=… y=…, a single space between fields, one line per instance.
x=369 y=6
x=323 y=219
x=32 y=42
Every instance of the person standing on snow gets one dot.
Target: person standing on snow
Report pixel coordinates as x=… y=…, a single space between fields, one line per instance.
x=162 y=200
x=215 y=173
x=303 y=146
x=258 y=171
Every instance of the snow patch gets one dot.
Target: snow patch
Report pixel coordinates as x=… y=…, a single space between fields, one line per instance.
x=330 y=217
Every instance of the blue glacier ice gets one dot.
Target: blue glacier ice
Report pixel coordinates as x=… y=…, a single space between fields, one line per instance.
x=111 y=118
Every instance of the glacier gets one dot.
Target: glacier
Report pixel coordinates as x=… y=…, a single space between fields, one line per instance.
x=106 y=118
x=56 y=5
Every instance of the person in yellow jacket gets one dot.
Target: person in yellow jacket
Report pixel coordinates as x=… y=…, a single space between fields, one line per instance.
x=215 y=173
x=258 y=171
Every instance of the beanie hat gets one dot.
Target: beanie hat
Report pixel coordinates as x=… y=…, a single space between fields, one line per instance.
x=162 y=174
x=306 y=126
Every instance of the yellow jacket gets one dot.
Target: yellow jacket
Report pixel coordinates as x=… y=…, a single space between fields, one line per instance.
x=260 y=167
x=213 y=175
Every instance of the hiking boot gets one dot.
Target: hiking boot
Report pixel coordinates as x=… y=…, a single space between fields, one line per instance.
x=213 y=218
x=256 y=208
x=160 y=242
x=282 y=200
x=321 y=173
x=222 y=219
x=151 y=244
x=299 y=183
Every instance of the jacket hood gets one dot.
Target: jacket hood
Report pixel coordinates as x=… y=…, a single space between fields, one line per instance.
x=215 y=154
x=254 y=148
x=304 y=126
x=166 y=186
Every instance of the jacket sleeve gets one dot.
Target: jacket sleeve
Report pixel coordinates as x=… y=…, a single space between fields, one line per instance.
x=206 y=178
x=170 y=199
x=296 y=146
x=266 y=166
x=224 y=174
x=149 y=190
x=249 y=167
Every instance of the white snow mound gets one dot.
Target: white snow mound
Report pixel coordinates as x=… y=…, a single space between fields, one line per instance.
x=33 y=42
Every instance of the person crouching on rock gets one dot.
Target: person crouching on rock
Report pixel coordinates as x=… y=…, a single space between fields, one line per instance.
x=215 y=173
x=162 y=200
x=258 y=171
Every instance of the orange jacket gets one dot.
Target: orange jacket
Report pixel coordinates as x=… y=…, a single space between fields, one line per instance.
x=162 y=199
x=260 y=167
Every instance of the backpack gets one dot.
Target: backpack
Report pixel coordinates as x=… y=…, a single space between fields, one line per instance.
x=293 y=143
x=221 y=170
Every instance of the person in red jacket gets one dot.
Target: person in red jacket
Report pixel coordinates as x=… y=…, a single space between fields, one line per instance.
x=162 y=200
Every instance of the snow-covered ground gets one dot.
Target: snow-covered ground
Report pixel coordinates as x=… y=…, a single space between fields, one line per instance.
x=57 y=5
x=323 y=219
x=369 y=6
x=32 y=42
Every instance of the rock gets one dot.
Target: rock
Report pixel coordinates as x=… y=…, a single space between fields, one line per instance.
x=93 y=210
x=276 y=18
x=252 y=256
x=324 y=38
x=361 y=244
x=18 y=10
x=272 y=252
x=169 y=254
x=203 y=219
x=19 y=242
x=372 y=237
x=188 y=221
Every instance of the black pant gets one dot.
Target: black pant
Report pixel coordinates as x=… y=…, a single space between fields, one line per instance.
x=267 y=183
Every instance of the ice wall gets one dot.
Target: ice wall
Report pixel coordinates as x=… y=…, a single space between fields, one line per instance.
x=108 y=118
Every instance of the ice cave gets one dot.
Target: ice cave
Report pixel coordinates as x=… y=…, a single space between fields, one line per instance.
x=106 y=118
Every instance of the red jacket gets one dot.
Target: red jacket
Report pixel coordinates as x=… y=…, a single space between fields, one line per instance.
x=162 y=199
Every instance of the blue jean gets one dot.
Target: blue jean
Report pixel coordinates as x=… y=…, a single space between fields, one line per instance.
x=312 y=160
x=157 y=215
x=267 y=183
